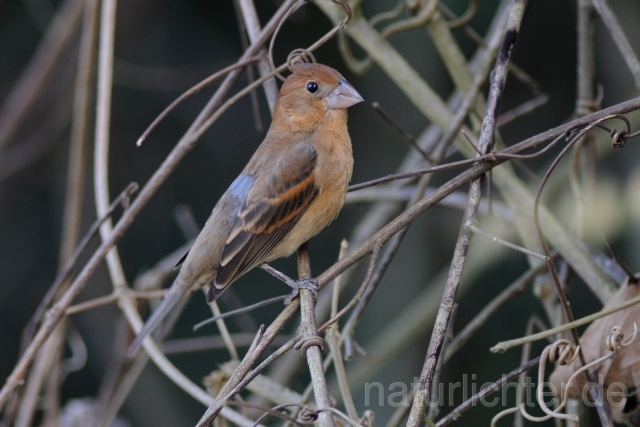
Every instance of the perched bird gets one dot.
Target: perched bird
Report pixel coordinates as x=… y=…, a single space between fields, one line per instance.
x=293 y=186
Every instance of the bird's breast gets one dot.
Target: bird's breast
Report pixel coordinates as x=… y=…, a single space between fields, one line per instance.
x=332 y=175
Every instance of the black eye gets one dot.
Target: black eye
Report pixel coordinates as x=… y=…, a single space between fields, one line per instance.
x=312 y=87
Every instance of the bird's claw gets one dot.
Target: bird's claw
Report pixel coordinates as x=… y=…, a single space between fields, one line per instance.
x=306 y=283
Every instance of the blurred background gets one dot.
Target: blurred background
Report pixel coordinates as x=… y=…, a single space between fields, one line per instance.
x=164 y=47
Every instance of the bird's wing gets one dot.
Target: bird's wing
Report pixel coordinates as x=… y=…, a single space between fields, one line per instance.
x=278 y=198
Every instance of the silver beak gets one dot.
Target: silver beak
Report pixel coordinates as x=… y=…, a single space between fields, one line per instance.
x=343 y=96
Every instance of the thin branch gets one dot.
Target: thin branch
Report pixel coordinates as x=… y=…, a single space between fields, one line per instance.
x=224 y=332
x=40 y=139
x=203 y=343
x=275 y=412
x=245 y=309
x=434 y=410
x=79 y=132
x=473 y=400
x=399 y=130
x=253 y=96
x=243 y=373
x=64 y=275
x=620 y=40
x=311 y=343
x=102 y=133
x=375 y=253
x=252 y=25
x=503 y=346
x=517 y=287
x=443 y=317
x=238 y=65
x=110 y=299
x=502 y=242
x=522 y=109
x=332 y=336
x=40 y=69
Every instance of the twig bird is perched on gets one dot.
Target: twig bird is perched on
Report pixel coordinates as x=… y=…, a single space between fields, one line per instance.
x=293 y=186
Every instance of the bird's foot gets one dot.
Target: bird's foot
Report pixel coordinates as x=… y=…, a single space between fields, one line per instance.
x=306 y=283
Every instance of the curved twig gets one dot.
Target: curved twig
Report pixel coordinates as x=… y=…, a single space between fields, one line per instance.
x=192 y=91
x=466 y=17
x=536 y=211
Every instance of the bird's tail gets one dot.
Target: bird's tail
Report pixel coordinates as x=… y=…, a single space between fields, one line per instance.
x=176 y=292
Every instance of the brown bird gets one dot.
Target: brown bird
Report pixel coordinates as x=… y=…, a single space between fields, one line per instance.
x=293 y=186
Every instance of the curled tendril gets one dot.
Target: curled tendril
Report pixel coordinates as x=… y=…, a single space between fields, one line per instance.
x=466 y=17
x=501 y=414
x=618 y=139
x=421 y=17
x=342 y=3
x=615 y=340
x=304 y=344
x=562 y=352
x=388 y=15
x=308 y=415
x=300 y=56
x=286 y=16
x=357 y=66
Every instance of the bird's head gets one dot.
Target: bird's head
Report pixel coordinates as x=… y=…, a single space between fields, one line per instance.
x=310 y=93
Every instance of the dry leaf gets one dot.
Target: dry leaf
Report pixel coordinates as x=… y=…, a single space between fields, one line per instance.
x=619 y=377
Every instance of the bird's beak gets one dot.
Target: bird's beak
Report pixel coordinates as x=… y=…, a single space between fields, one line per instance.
x=343 y=96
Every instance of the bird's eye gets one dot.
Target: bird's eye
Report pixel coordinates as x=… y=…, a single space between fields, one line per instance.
x=312 y=87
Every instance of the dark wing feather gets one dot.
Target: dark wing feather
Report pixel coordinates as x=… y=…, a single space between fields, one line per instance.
x=280 y=198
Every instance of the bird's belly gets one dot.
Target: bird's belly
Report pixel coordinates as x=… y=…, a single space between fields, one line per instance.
x=332 y=176
x=320 y=213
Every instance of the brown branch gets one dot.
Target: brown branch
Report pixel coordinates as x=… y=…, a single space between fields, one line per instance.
x=486 y=391
x=40 y=69
x=311 y=344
